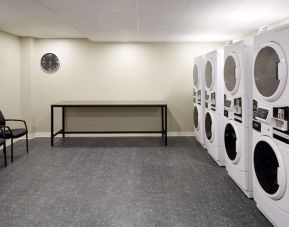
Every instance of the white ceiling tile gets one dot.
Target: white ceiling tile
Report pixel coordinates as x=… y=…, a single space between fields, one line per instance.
x=264 y=5
x=33 y=30
x=114 y=4
x=90 y=4
x=203 y=36
x=9 y=1
x=209 y=5
x=163 y=4
x=118 y=20
x=82 y=19
x=153 y=36
x=139 y=20
x=36 y=11
x=11 y=15
x=13 y=29
x=67 y=4
x=192 y=20
x=158 y=20
x=112 y=36
x=61 y=31
x=100 y=20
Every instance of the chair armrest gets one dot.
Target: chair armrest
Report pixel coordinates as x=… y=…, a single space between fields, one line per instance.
x=6 y=127
x=24 y=122
x=2 y=131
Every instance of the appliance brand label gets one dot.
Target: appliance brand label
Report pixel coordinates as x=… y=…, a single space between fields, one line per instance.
x=283 y=28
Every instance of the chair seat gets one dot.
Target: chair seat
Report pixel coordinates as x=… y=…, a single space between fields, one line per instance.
x=16 y=133
x=2 y=141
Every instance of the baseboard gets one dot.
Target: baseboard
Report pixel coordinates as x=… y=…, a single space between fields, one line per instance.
x=170 y=134
x=47 y=135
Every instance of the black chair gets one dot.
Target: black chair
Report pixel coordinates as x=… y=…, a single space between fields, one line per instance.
x=13 y=133
x=3 y=143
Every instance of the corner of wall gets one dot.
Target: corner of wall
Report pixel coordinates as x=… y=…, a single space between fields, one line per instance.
x=26 y=82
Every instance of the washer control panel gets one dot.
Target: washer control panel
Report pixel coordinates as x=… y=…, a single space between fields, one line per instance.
x=228 y=109
x=233 y=109
x=262 y=114
x=272 y=121
x=210 y=100
x=262 y=120
x=281 y=123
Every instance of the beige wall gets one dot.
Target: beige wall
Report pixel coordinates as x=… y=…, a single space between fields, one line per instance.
x=10 y=75
x=99 y=71
x=115 y=71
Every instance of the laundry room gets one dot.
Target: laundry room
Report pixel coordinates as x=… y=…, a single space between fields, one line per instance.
x=144 y=113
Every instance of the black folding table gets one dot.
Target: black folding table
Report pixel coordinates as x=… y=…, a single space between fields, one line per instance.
x=103 y=104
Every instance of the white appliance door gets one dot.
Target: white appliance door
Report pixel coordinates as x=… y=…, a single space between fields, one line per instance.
x=232 y=143
x=270 y=71
x=209 y=74
x=209 y=127
x=269 y=168
x=232 y=73
x=196 y=118
x=196 y=76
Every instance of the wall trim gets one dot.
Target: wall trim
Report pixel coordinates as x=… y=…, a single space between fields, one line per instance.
x=47 y=135
x=170 y=134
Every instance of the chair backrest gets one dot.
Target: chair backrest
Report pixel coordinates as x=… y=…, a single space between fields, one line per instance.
x=2 y=118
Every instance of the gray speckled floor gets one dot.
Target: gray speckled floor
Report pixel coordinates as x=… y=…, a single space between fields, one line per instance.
x=120 y=182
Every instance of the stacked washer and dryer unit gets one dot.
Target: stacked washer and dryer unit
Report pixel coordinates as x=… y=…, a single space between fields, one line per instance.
x=249 y=122
x=213 y=105
x=198 y=99
x=237 y=112
x=270 y=145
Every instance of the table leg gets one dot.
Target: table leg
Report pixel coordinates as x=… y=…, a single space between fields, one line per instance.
x=52 y=125
x=166 y=125
x=63 y=122
x=163 y=130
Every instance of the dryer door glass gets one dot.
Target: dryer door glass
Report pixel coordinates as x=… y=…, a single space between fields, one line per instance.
x=230 y=142
x=196 y=117
x=266 y=167
x=208 y=126
x=209 y=74
x=230 y=73
x=266 y=71
x=196 y=75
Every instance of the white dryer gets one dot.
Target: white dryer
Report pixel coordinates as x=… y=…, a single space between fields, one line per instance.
x=270 y=125
x=214 y=100
x=198 y=96
x=237 y=129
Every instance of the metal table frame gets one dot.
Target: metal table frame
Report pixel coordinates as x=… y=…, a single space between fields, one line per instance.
x=65 y=105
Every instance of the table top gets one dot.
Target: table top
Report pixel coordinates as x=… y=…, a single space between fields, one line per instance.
x=109 y=104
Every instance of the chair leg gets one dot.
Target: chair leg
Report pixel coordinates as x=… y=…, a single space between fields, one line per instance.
x=27 y=143
x=5 y=155
x=12 y=158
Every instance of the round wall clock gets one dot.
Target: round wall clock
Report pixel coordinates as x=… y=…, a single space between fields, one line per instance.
x=50 y=62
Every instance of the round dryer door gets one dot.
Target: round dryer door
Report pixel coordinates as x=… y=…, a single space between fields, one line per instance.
x=196 y=76
x=269 y=168
x=270 y=71
x=209 y=127
x=196 y=118
x=209 y=74
x=232 y=145
x=231 y=73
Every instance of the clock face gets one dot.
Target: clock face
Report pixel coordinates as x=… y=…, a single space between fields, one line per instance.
x=50 y=62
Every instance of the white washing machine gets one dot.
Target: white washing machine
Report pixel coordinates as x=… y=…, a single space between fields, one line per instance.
x=237 y=128
x=214 y=99
x=198 y=96
x=270 y=125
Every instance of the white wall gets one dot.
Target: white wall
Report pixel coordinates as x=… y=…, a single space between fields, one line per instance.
x=99 y=71
x=116 y=71
x=10 y=75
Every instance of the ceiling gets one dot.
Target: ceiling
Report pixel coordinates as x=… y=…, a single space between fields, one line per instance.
x=139 y=20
